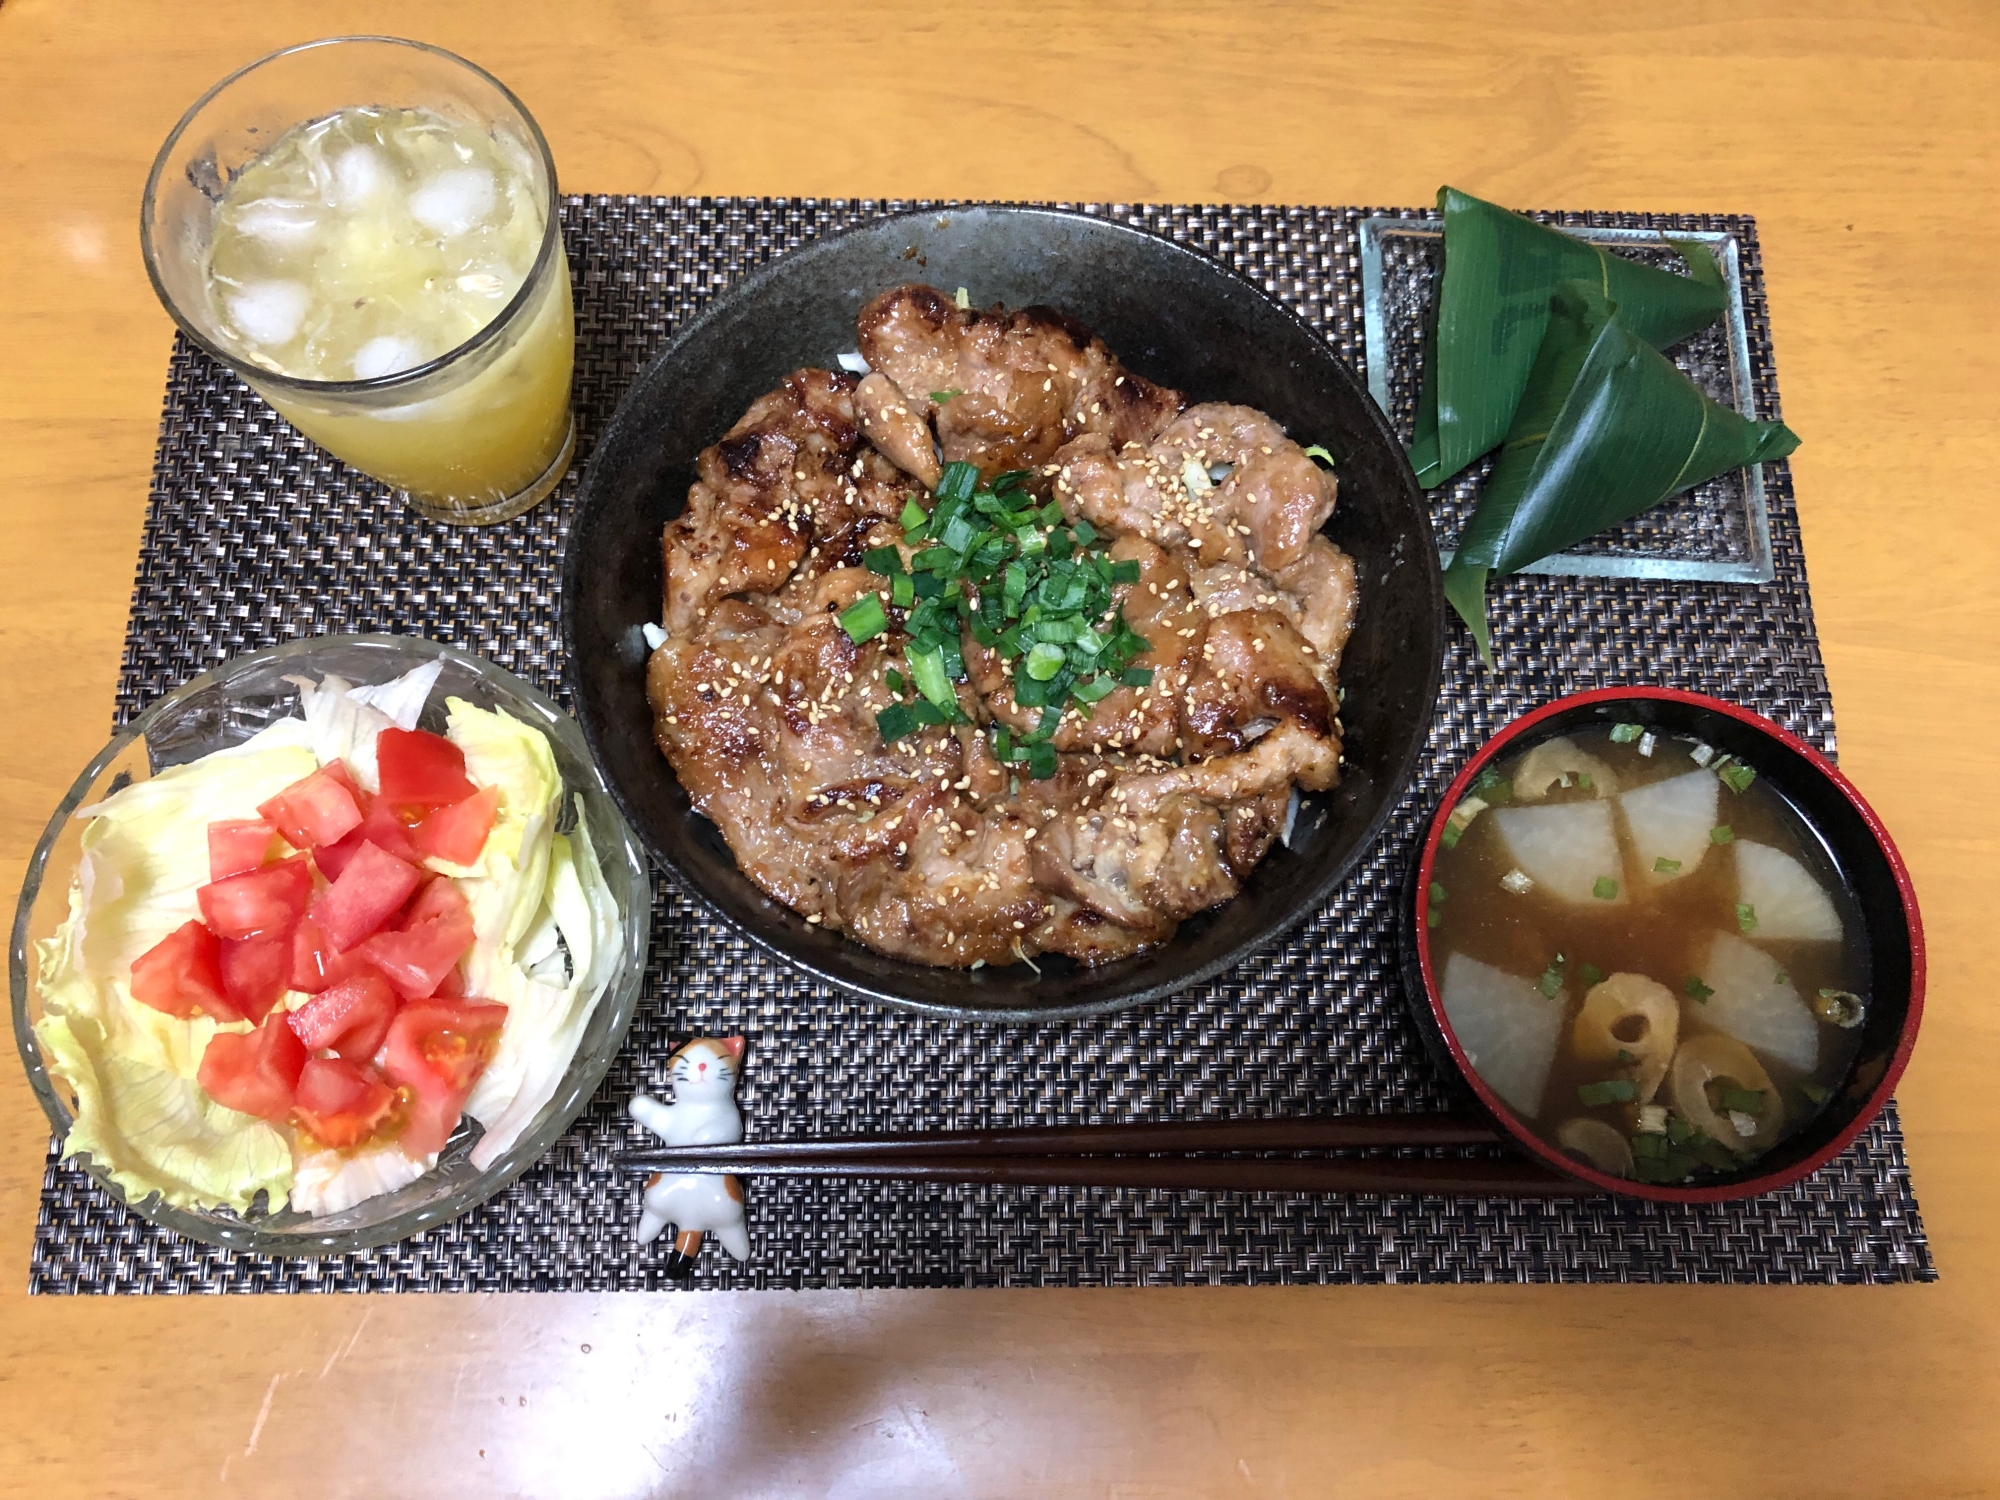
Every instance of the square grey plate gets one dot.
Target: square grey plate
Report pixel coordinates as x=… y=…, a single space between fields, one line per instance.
x=1717 y=531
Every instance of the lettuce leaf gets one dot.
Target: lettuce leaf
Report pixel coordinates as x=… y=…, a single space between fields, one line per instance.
x=542 y=1036
x=342 y=720
x=139 y=1114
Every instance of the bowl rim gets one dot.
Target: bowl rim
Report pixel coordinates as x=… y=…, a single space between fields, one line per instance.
x=1312 y=899
x=301 y=1242
x=1765 y=1182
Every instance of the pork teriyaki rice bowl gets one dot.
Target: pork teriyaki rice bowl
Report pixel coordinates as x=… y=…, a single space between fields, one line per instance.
x=983 y=646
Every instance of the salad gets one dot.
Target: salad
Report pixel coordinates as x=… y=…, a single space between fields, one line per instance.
x=290 y=967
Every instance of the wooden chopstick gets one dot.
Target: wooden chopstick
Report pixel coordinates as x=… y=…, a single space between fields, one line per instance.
x=1117 y=1156
x=1507 y=1178
x=1306 y=1133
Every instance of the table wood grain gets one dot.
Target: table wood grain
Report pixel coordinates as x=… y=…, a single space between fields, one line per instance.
x=1861 y=135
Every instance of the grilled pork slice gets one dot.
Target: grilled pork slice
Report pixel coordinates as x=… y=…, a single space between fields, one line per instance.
x=1004 y=390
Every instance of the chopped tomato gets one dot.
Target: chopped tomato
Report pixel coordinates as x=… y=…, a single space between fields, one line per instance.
x=182 y=974
x=256 y=1072
x=457 y=831
x=371 y=889
x=265 y=900
x=254 y=972
x=420 y=769
x=338 y=1104
x=379 y=826
x=315 y=966
x=435 y=931
x=238 y=844
x=351 y=1018
x=317 y=809
x=437 y=1049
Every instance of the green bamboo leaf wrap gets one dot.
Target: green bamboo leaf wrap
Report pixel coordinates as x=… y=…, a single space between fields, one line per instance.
x=1606 y=428
x=1493 y=307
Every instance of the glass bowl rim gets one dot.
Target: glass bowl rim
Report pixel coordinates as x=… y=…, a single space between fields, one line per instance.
x=298 y=385
x=1432 y=1002
x=621 y=990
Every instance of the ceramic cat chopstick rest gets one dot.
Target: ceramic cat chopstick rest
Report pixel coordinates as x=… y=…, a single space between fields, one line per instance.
x=704 y=1074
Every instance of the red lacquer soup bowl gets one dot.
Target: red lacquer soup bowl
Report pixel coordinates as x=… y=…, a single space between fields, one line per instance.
x=1854 y=843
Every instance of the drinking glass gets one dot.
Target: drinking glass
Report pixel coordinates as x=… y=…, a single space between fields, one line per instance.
x=478 y=434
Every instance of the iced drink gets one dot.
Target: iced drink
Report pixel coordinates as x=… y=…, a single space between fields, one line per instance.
x=385 y=275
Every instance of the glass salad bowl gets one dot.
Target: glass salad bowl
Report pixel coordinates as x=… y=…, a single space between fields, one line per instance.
x=224 y=707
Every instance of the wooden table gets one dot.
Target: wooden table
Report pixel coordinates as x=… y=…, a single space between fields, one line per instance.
x=1862 y=135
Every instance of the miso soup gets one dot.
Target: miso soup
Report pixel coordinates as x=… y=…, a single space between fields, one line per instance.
x=1645 y=952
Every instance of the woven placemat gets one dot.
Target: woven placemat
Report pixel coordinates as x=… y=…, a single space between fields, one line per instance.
x=254 y=536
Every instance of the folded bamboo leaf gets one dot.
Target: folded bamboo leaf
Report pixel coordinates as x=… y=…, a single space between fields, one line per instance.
x=1606 y=428
x=1493 y=305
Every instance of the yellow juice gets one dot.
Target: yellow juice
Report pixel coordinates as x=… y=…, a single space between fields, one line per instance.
x=370 y=243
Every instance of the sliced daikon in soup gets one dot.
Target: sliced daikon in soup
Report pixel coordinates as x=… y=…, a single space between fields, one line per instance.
x=1755 y=1001
x=1506 y=1025
x=1669 y=823
x=1567 y=849
x=1784 y=898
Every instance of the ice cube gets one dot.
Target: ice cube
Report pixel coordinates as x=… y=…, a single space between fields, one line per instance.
x=385 y=356
x=1755 y=1004
x=1670 y=820
x=280 y=221
x=358 y=175
x=1566 y=848
x=455 y=201
x=269 y=312
x=1507 y=1025
x=1784 y=899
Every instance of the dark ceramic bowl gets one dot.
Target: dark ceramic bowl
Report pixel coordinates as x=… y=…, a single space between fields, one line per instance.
x=1852 y=838
x=1170 y=314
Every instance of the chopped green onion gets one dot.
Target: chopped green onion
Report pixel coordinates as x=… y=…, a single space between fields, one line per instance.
x=1315 y=451
x=888 y=561
x=1449 y=839
x=1652 y=1144
x=1721 y=833
x=1042 y=761
x=958 y=482
x=1552 y=977
x=1814 y=1093
x=1694 y=989
x=1746 y=917
x=1438 y=892
x=1085 y=532
x=1604 y=888
x=927 y=669
x=943 y=396
x=1611 y=1091
x=1591 y=974
x=1625 y=734
x=1583 y=780
x=903 y=590
x=1044 y=661
x=1125 y=572
x=913 y=518
x=1093 y=690
x=1665 y=866
x=1729 y=1096
x=864 y=619
x=894 y=722
x=1433 y=917
x=1136 y=676
x=896 y=680
x=1737 y=777
x=1627 y=1057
